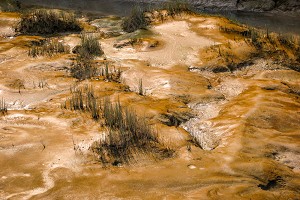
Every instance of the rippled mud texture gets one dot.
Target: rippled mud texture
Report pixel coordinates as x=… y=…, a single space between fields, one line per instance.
x=234 y=132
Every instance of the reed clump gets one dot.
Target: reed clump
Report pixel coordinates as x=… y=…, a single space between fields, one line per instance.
x=83 y=99
x=42 y=21
x=48 y=47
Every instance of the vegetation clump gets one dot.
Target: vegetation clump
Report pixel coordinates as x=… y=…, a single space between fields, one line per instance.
x=48 y=22
x=48 y=47
x=136 y=20
x=83 y=67
x=89 y=47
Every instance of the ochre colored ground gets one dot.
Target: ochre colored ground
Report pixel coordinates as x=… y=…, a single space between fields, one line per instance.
x=247 y=121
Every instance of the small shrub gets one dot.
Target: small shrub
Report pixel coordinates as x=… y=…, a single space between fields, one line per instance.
x=3 y=107
x=48 y=47
x=136 y=20
x=89 y=47
x=48 y=22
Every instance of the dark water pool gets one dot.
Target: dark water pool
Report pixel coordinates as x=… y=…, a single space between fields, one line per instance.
x=273 y=22
x=276 y=22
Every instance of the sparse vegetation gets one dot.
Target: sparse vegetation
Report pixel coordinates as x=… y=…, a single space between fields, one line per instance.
x=48 y=47
x=260 y=38
x=3 y=107
x=48 y=22
x=128 y=134
x=83 y=99
x=128 y=137
x=138 y=20
x=83 y=69
x=289 y=41
x=281 y=47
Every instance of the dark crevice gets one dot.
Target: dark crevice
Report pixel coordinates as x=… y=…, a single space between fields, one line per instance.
x=271 y=184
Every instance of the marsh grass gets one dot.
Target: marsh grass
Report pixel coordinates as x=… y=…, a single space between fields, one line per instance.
x=129 y=136
x=48 y=47
x=83 y=99
x=3 y=107
x=44 y=21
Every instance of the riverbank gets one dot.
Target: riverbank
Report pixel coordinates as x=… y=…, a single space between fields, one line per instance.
x=278 y=21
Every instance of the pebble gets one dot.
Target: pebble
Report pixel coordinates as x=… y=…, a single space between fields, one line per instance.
x=192 y=166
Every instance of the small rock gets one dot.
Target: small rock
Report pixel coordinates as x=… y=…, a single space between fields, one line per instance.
x=123 y=43
x=192 y=166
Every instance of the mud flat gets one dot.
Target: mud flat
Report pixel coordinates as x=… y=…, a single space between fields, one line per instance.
x=225 y=108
